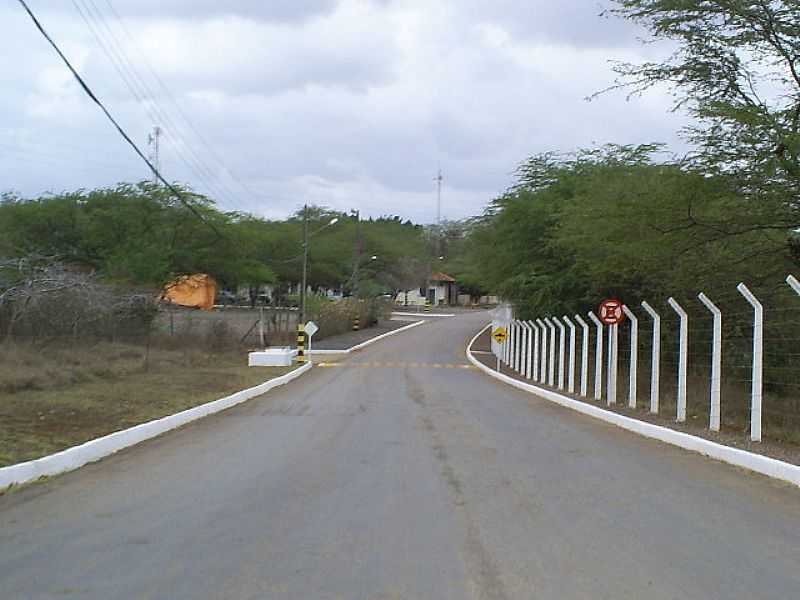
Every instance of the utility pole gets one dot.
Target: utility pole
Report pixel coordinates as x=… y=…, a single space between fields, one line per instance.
x=153 y=142
x=439 y=179
x=357 y=253
x=305 y=265
x=306 y=238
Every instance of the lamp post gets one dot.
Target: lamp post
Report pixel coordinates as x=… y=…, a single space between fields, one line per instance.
x=306 y=237
x=355 y=280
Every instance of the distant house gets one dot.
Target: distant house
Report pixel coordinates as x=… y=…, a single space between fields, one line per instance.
x=440 y=290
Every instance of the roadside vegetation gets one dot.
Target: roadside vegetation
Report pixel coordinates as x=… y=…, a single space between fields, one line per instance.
x=636 y=223
x=138 y=235
x=59 y=397
x=577 y=226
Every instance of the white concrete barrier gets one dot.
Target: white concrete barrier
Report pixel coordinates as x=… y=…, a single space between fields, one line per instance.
x=93 y=450
x=426 y=314
x=271 y=357
x=757 y=463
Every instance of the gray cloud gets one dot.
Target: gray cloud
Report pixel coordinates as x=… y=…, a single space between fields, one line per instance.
x=349 y=104
x=271 y=10
x=574 y=22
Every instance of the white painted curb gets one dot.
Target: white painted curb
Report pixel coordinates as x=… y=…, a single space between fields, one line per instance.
x=93 y=450
x=400 y=313
x=377 y=338
x=757 y=463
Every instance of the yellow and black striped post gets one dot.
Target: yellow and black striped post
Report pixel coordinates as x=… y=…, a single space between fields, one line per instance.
x=301 y=343
x=427 y=306
x=356 y=323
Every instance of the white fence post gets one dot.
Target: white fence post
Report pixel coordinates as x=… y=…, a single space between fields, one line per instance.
x=510 y=343
x=613 y=356
x=512 y=339
x=551 y=354
x=523 y=353
x=683 y=357
x=584 y=354
x=507 y=343
x=716 y=362
x=551 y=375
x=795 y=285
x=655 y=364
x=543 y=369
x=571 y=370
x=526 y=365
x=504 y=345
x=551 y=366
x=562 y=346
x=634 y=359
x=598 y=357
x=758 y=361
x=517 y=345
x=523 y=347
x=535 y=359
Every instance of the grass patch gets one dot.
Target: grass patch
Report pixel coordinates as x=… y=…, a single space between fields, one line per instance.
x=55 y=398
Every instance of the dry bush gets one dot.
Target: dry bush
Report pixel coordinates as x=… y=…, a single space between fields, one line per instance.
x=42 y=299
x=25 y=366
x=335 y=318
x=220 y=337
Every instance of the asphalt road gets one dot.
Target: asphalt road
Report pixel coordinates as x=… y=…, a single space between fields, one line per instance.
x=390 y=478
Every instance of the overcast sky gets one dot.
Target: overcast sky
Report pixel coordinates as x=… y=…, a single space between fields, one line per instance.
x=347 y=104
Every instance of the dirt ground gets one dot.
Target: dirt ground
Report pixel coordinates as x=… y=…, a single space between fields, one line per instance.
x=55 y=398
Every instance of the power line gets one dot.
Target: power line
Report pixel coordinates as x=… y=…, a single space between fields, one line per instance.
x=174 y=102
x=193 y=161
x=138 y=87
x=113 y=121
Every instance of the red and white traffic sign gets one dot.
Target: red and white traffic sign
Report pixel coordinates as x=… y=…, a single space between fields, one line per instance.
x=611 y=312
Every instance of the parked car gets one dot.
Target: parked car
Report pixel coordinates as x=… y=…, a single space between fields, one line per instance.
x=226 y=298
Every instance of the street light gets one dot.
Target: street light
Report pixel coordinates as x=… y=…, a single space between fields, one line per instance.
x=306 y=236
x=355 y=277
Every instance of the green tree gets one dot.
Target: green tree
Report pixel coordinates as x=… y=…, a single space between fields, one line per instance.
x=612 y=221
x=736 y=70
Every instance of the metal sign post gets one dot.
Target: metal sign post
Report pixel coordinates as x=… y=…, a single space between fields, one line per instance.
x=500 y=335
x=310 y=329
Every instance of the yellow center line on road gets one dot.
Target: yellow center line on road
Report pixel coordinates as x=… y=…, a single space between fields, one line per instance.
x=394 y=365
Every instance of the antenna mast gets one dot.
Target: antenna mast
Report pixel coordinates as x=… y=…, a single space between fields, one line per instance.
x=439 y=180
x=153 y=142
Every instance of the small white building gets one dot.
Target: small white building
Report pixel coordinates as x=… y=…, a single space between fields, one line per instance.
x=441 y=290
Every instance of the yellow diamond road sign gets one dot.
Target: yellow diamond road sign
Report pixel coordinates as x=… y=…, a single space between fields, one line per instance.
x=500 y=335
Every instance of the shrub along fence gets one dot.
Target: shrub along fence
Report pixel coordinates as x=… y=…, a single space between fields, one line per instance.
x=43 y=301
x=267 y=326
x=731 y=360
x=339 y=317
